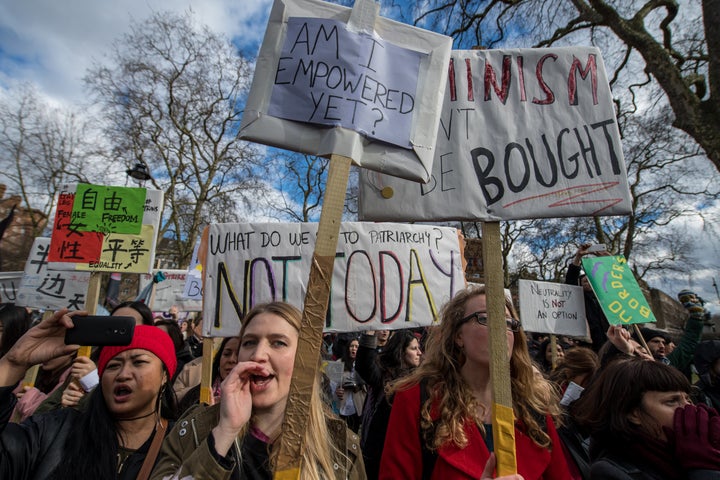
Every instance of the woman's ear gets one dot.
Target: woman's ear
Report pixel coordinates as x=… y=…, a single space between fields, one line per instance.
x=459 y=340
x=635 y=417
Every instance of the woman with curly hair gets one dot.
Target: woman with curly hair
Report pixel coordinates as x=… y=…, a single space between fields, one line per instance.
x=440 y=424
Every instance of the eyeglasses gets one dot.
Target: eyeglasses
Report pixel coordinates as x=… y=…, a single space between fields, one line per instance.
x=482 y=319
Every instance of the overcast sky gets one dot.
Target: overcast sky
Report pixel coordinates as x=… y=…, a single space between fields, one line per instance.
x=51 y=43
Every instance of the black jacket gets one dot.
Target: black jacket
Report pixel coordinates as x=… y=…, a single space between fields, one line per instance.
x=34 y=448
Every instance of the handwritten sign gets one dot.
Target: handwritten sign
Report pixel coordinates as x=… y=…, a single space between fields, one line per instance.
x=9 y=283
x=555 y=308
x=169 y=292
x=72 y=249
x=97 y=208
x=524 y=133
x=387 y=276
x=354 y=80
x=51 y=290
x=617 y=290
x=379 y=87
x=193 y=281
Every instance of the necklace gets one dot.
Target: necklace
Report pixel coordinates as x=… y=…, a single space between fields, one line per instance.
x=122 y=455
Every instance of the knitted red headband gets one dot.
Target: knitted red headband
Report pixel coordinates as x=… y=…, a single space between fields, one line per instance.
x=145 y=337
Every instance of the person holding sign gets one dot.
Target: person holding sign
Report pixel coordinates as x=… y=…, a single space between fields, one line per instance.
x=237 y=437
x=440 y=423
x=643 y=426
x=126 y=417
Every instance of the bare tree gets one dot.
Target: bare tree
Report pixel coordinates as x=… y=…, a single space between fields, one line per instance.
x=41 y=149
x=172 y=93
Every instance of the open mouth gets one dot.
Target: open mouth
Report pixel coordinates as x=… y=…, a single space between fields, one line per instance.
x=122 y=392
x=261 y=381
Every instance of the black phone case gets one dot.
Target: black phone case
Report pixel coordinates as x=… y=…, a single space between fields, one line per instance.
x=96 y=330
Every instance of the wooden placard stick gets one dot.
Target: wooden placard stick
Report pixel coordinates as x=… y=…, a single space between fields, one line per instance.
x=553 y=348
x=503 y=419
x=641 y=339
x=317 y=297
x=91 y=303
x=206 y=395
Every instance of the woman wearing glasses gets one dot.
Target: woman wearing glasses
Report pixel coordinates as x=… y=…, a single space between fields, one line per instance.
x=447 y=402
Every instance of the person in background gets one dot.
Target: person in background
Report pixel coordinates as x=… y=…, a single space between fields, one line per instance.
x=138 y=310
x=544 y=356
x=440 y=423
x=352 y=390
x=400 y=355
x=128 y=410
x=223 y=363
x=237 y=437
x=382 y=337
x=195 y=340
x=643 y=426
x=707 y=363
x=596 y=319
x=14 y=322
x=182 y=351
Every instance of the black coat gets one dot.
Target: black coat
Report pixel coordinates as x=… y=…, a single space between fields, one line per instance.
x=33 y=449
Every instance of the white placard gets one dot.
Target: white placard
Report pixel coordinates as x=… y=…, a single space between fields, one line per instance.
x=169 y=292
x=524 y=133
x=193 y=282
x=324 y=86
x=9 y=283
x=386 y=276
x=557 y=308
x=50 y=289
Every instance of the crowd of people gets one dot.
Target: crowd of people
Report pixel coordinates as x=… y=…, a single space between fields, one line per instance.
x=409 y=404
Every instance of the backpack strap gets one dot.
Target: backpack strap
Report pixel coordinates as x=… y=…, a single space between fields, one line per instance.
x=428 y=456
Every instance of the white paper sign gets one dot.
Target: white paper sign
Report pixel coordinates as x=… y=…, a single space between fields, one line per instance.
x=354 y=80
x=547 y=307
x=386 y=276
x=323 y=87
x=169 y=292
x=525 y=133
x=9 y=283
x=193 y=281
x=48 y=289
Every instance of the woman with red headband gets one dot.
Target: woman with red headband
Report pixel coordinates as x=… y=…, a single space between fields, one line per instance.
x=126 y=419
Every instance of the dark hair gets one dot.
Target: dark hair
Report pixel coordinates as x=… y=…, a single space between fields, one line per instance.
x=15 y=322
x=578 y=361
x=392 y=358
x=605 y=406
x=347 y=361
x=218 y=357
x=140 y=307
x=92 y=446
x=173 y=329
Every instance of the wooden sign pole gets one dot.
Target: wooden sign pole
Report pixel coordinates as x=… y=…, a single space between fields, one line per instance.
x=503 y=421
x=32 y=373
x=317 y=297
x=206 y=395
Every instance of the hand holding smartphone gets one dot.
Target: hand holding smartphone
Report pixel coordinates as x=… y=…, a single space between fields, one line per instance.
x=100 y=330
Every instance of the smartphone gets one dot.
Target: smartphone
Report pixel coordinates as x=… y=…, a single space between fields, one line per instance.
x=100 y=330
x=597 y=247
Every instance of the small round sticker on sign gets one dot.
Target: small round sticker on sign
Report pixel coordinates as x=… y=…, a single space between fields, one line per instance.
x=387 y=192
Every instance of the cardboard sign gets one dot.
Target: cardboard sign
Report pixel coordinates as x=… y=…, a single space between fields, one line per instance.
x=193 y=282
x=387 y=276
x=74 y=249
x=169 y=292
x=555 y=308
x=97 y=208
x=9 y=283
x=524 y=133
x=369 y=89
x=52 y=290
x=617 y=290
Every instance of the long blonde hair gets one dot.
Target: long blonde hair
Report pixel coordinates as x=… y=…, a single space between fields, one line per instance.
x=440 y=369
x=319 y=452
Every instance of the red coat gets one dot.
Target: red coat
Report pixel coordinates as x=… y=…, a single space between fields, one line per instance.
x=402 y=455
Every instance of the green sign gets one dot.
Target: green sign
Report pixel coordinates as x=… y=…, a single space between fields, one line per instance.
x=98 y=208
x=617 y=290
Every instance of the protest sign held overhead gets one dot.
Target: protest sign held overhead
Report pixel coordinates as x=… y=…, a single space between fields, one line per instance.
x=116 y=212
x=9 y=283
x=169 y=291
x=554 y=308
x=524 y=133
x=329 y=81
x=193 y=281
x=48 y=289
x=617 y=290
x=385 y=275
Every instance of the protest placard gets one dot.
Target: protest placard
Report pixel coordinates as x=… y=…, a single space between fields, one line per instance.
x=193 y=280
x=524 y=133
x=367 y=88
x=71 y=248
x=617 y=290
x=45 y=289
x=554 y=308
x=169 y=292
x=9 y=283
x=385 y=275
